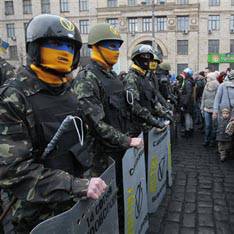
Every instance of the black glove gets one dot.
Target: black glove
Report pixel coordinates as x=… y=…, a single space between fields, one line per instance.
x=157 y=123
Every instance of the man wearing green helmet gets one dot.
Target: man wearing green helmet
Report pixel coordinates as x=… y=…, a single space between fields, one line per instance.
x=102 y=99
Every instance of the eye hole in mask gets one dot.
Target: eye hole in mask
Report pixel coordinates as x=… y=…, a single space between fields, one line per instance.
x=59 y=45
x=111 y=44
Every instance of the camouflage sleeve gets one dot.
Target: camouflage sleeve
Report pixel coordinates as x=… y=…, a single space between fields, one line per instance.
x=89 y=98
x=19 y=173
x=137 y=109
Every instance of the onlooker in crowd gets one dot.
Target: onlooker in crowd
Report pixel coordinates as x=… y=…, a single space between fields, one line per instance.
x=200 y=83
x=186 y=100
x=221 y=77
x=206 y=71
x=225 y=141
x=207 y=102
x=225 y=95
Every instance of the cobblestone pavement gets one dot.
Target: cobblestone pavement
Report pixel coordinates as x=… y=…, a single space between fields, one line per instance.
x=201 y=200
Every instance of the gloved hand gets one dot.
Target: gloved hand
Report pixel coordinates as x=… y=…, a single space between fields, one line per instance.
x=157 y=123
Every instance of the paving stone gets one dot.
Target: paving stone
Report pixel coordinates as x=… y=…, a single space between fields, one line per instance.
x=189 y=220
x=205 y=220
x=171 y=227
x=189 y=207
x=175 y=206
x=185 y=230
x=205 y=204
x=190 y=197
x=205 y=210
x=177 y=196
x=205 y=230
x=205 y=191
x=221 y=216
x=223 y=228
x=172 y=216
x=204 y=197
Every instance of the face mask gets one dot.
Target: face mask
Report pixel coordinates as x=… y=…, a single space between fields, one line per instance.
x=153 y=65
x=57 y=55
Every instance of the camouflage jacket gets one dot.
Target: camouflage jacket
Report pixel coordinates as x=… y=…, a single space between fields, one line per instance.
x=20 y=172
x=6 y=71
x=89 y=91
x=131 y=84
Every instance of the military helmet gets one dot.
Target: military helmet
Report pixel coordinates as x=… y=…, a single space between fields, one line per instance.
x=142 y=49
x=47 y=26
x=102 y=32
x=156 y=58
x=165 y=66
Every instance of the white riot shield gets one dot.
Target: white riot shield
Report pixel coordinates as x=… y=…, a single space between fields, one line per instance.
x=157 y=168
x=87 y=216
x=135 y=196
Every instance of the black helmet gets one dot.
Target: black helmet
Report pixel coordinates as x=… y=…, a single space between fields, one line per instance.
x=48 y=26
x=142 y=55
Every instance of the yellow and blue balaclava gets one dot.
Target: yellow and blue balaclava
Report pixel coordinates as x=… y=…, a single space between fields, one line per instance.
x=106 y=52
x=56 y=55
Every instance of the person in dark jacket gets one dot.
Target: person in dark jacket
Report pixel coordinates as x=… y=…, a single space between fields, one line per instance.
x=186 y=100
x=224 y=140
x=6 y=70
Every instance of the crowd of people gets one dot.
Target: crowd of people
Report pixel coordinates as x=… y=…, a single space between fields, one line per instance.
x=207 y=99
x=112 y=111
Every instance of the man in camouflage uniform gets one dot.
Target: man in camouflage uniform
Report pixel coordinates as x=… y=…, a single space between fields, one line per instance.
x=6 y=71
x=145 y=103
x=32 y=107
x=101 y=97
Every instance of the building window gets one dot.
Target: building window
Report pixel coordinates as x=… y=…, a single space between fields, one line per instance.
x=45 y=6
x=214 y=2
x=131 y=2
x=161 y=24
x=181 y=67
x=83 y=5
x=64 y=6
x=132 y=25
x=84 y=26
x=232 y=46
x=10 y=30
x=113 y=22
x=85 y=51
x=232 y=22
x=147 y=24
x=182 y=2
x=9 y=8
x=213 y=46
x=232 y=2
x=182 y=47
x=182 y=23
x=213 y=22
x=213 y=67
x=111 y=3
x=27 y=7
x=13 y=55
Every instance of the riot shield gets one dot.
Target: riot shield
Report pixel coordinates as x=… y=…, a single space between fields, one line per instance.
x=135 y=196
x=157 y=168
x=87 y=216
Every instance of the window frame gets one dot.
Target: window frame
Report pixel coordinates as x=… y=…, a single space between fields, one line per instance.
x=84 y=28
x=182 y=25
x=27 y=7
x=64 y=6
x=210 y=41
x=83 y=5
x=214 y=22
x=12 y=12
x=132 y=21
x=182 y=47
x=10 y=29
x=45 y=5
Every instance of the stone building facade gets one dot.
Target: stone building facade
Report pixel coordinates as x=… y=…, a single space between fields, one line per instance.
x=185 y=31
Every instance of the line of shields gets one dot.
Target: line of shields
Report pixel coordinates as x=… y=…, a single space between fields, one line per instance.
x=146 y=174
